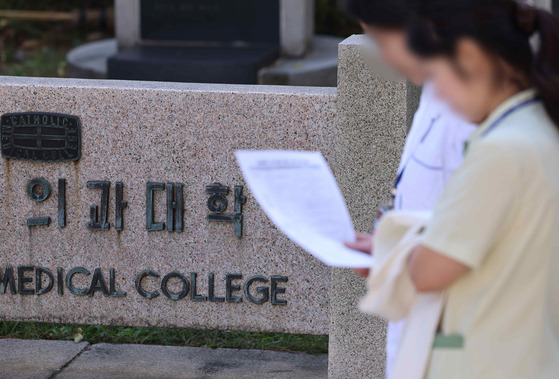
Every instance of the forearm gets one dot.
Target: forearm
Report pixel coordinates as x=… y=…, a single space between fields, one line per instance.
x=431 y=271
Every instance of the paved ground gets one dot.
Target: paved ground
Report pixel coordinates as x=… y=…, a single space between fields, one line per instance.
x=62 y=359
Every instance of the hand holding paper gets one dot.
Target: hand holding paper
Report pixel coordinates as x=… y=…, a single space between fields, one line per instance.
x=298 y=192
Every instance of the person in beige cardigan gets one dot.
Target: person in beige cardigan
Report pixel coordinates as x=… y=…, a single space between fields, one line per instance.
x=492 y=244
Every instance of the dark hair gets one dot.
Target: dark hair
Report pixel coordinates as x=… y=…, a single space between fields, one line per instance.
x=503 y=28
x=386 y=14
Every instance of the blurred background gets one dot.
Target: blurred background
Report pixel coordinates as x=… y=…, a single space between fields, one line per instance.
x=35 y=41
x=221 y=41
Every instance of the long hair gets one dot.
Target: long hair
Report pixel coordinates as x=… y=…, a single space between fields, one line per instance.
x=503 y=28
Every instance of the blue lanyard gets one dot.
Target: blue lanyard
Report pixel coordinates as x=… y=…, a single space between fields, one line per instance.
x=503 y=116
x=485 y=133
x=508 y=113
x=401 y=173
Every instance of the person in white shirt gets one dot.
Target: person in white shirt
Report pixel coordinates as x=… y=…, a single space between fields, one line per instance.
x=435 y=143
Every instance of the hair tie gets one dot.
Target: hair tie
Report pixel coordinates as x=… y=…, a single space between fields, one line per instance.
x=526 y=18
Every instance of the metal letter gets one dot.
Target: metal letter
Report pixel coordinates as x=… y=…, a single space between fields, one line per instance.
x=175 y=207
x=60 y=281
x=193 y=292
x=229 y=288
x=217 y=204
x=274 y=290
x=211 y=290
x=138 y=282
x=175 y=296
x=151 y=225
x=265 y=291
x=8 y=278
x=71 y=288
x=99 y=221
x=119 y=207
x=114 y=292
x=38 y=221
x=62 y=203
x=38 y=196
x=98 y=278
x=39 y=289
x=22 y=279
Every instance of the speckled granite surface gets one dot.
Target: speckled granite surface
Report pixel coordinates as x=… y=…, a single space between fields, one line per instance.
x=162 y=132
x=371 y=129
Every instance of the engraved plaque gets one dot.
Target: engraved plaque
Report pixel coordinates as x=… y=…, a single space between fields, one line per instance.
x=43 y=137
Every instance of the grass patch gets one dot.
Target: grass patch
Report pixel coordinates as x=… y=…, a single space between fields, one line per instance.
x=45 y=63
x=164 y=336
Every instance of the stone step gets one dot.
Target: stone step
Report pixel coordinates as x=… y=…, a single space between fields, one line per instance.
x=36 y=359
x=62 y=359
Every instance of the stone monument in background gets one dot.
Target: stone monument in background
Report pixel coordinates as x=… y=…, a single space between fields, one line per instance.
x=212 y=41
x=208 y=41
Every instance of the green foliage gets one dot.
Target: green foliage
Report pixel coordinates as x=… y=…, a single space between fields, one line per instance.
x=164 y=336
x=38 y=48
x=45 y=63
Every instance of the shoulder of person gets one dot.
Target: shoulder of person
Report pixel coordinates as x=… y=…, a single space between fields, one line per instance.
x=498 y=155
x=530 y=129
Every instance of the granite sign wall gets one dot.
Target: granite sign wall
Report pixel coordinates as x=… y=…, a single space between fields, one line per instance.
x=121 y=203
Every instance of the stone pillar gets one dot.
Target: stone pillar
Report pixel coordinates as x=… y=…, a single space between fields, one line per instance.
x=372 y=117
x=296 y=27
x=127 y=23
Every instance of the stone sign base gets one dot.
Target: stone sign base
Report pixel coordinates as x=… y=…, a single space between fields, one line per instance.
x=194 y=64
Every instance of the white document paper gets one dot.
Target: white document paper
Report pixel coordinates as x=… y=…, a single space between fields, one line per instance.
x=298 y=192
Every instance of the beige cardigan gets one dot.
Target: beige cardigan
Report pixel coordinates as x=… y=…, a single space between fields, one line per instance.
x=392 y=295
